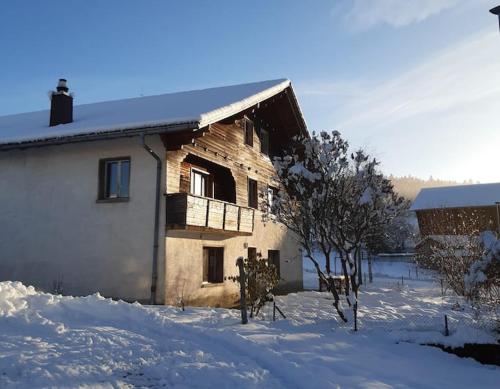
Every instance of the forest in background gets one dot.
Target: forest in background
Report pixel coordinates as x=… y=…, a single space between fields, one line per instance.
x=408 y=186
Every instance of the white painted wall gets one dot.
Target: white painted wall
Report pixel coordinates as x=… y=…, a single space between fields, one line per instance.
x=184 y=266
x=52 y=228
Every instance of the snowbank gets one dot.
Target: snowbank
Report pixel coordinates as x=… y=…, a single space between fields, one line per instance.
x=56 y=341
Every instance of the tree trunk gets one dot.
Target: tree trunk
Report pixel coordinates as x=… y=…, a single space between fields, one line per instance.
x=243 y=301
x=360 y=269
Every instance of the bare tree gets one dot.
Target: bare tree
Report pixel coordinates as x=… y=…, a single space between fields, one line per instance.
x=334 y=201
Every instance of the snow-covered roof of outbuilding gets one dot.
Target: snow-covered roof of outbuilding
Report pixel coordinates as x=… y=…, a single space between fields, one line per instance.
x=457 y=196
x=182 y=110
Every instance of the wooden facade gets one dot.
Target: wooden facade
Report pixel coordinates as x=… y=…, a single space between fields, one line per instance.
x=223 y=153
x=458 y=221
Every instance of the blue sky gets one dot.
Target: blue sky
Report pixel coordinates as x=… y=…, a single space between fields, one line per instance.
x=415 y=82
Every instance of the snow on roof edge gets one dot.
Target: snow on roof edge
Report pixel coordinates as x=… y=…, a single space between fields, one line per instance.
x=457 y=196
x=195 y=123
x=232 y=109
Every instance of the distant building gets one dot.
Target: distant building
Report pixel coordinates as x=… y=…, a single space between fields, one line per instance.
x=454 y=212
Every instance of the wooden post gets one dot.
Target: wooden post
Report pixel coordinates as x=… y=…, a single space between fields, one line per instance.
x=355 y=315
x=370 y=273
x=274 y=310
x=446 y=330
x=243 y=282
x=207 y=214
x=224 y=218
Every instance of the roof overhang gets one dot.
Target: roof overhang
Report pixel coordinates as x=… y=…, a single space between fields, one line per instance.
x=161 y=128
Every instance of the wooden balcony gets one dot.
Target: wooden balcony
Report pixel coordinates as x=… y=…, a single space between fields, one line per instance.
x=194 y=213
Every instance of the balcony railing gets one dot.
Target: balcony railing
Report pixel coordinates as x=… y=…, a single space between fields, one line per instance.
x=189 y=212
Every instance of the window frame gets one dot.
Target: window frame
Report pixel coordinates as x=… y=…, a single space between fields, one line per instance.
x=216 y=279
x=103 y=184
x=207 y=182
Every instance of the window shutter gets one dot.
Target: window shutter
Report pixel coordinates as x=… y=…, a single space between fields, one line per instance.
x=248 y=132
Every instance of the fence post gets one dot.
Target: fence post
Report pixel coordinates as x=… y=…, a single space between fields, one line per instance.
x=402 y=279
x=243 y=282
x=370 y=273
x=446 y=330
x=355 y=311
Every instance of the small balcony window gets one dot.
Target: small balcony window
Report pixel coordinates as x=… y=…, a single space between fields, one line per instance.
x=114 y=178
x=200 y=183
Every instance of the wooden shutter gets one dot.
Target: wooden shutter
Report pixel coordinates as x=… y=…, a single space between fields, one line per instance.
x=252 y=193
x=248 y=132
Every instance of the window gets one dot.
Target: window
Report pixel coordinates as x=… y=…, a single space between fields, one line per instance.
x=273 y=258
x=264 y=142
x=248 y=127
x=252 y=193
x=200 y=183
x=213 y=265
x=114 y=178
x=271 y=196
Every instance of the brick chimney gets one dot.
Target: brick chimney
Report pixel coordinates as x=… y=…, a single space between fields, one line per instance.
x=61 y=104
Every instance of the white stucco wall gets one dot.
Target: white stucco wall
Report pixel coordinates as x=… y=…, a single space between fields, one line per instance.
x=52 y=228
x=184 y=265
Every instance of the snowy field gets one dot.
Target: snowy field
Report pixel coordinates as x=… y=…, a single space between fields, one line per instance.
x=382 y=267
x=63 y=342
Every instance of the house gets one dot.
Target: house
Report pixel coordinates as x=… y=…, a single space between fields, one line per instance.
x=148 y=199
x=448 y=215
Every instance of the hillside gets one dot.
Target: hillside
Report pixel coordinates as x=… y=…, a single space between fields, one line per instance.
x=409 y=186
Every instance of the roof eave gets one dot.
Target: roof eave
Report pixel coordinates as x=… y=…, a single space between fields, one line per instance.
x=103 y=135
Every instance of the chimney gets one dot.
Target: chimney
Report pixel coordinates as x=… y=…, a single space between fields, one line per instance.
x=61 y=104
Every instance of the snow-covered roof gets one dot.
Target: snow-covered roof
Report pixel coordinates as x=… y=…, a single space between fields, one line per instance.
x=192 y=109
x=457 y=196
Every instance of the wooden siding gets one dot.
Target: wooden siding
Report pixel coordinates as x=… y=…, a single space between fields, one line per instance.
x=185 y=211
x=457 y=221
x=222 y=144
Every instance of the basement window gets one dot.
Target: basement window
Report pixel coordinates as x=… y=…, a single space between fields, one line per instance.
x=213 y=265
x=114 y=179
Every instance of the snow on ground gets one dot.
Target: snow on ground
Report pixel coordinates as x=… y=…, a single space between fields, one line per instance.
x=382 y=267
x=55 y=341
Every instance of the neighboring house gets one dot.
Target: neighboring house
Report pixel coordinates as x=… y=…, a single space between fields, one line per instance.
x=151 y=198
x=449 y=214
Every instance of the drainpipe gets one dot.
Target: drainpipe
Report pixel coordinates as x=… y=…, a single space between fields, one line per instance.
x=154 y=274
